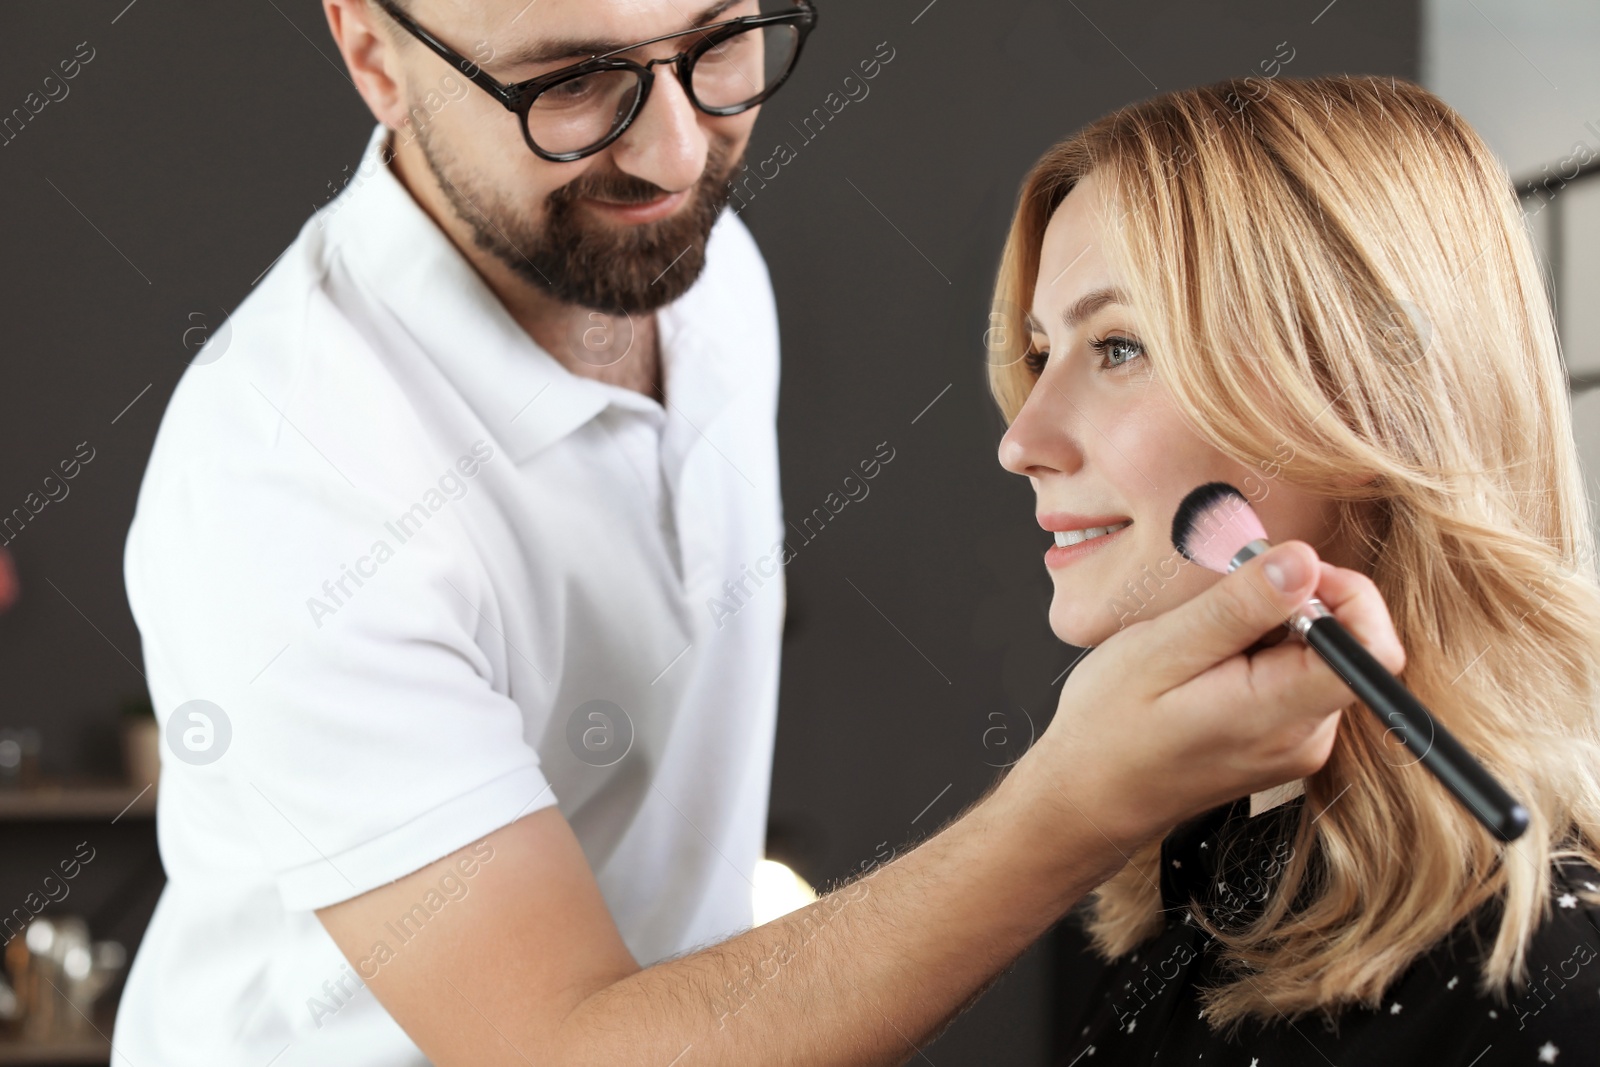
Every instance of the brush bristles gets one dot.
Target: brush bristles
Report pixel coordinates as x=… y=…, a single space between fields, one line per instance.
x=1212 y=524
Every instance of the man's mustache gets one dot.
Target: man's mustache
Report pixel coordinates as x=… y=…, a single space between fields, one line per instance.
x=615 y=187
x=618 y=188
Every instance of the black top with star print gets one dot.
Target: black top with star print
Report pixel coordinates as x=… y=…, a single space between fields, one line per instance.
x=1144 y=1008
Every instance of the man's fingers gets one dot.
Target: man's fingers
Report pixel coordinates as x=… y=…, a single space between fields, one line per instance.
x=1233 y=614
x=1355 y=600
x=1296 y=676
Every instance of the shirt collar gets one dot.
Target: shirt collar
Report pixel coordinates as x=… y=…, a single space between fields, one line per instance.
x=520 y=392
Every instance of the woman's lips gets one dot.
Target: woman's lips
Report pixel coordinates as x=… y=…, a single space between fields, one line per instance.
x=1057 y=556
x=636 y=213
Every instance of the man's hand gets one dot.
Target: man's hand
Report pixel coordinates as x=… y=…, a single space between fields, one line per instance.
x=1179 y=718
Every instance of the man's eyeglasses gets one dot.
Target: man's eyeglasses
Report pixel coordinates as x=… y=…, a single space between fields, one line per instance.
x=728 y=67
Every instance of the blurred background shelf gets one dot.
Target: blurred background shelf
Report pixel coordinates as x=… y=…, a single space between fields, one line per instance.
x=88 y=800
x=80 y=1051
x=66 y=1051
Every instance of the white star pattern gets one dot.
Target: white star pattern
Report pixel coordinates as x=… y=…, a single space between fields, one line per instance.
x=1570 y=893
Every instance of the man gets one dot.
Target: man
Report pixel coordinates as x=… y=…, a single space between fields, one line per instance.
x=458 y=768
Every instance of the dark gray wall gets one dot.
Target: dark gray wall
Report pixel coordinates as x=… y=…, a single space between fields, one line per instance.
x=194 y=144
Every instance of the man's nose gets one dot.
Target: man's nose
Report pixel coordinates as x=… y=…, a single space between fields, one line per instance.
x=666 y=144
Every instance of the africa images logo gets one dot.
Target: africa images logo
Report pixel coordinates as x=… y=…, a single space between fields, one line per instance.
x=449 y=488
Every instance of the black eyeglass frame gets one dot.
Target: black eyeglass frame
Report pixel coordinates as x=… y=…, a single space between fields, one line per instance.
x=519 y=96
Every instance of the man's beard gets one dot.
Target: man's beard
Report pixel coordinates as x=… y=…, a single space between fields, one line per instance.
x=621 y=270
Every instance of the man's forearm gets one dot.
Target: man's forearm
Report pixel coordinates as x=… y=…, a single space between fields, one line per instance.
x=868 y=973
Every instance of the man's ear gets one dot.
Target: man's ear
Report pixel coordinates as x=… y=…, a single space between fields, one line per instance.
x=369 y=55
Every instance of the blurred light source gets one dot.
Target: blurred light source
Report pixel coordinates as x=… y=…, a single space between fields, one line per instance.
x=778 y=891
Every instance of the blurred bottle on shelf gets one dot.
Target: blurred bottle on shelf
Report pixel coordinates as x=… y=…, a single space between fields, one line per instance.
x=19 y=757
x=141 y=741
x=9 y=586
x=57 y=973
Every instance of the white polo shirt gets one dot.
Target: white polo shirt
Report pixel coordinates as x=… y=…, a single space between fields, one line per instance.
x=411 y=558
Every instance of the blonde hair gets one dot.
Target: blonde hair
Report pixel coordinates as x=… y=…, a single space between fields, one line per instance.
x=1340 y=264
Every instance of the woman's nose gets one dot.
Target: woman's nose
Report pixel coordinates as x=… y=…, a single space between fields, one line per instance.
x=1041 y=438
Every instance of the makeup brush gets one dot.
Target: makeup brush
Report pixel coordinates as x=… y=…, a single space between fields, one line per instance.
x=1216 y=528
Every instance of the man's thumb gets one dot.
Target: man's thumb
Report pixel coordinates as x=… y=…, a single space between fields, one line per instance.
x=1288 y=568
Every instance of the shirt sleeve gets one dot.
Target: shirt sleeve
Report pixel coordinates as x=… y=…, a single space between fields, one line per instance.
x=332 y=610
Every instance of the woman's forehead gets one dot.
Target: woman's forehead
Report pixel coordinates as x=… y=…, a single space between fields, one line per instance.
x=1072 y=268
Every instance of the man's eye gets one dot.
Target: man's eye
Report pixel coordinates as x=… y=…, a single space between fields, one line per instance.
x=1117 y=351
x=572 y=91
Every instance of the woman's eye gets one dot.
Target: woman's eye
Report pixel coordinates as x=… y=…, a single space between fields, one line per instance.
x=1035 y=361
x=1117 y=351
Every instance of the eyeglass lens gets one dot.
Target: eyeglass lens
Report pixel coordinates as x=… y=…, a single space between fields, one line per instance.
x=580 y=112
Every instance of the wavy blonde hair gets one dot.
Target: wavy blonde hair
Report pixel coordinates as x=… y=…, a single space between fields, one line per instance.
x=1341 y=264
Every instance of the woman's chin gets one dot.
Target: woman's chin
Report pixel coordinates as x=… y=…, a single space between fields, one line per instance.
x=1072 y=624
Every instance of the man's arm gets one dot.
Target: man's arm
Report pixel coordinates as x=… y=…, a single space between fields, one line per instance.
x=528 y=967
x=1164 y=720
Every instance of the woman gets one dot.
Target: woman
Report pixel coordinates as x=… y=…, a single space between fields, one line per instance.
x=1321 y=292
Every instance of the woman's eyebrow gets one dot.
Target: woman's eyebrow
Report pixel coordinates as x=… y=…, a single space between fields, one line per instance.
x=1089 y=303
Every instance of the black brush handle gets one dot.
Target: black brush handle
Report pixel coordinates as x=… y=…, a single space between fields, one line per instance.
x=1435 y=746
